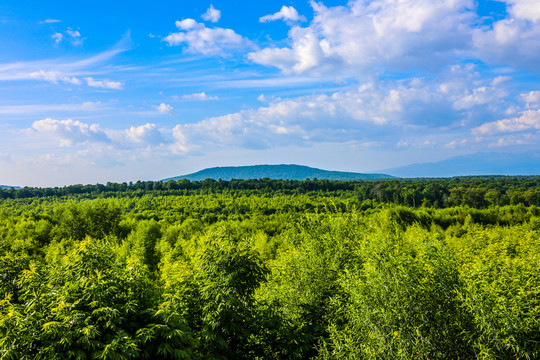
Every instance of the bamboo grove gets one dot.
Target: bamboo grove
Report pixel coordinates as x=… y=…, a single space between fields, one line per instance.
x=272 y=269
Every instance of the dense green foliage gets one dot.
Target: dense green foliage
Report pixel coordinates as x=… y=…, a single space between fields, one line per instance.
x=477 y=192
x=272 y=270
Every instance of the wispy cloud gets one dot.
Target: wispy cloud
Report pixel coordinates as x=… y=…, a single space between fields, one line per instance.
x=199 y=96
x=104 y=84
x=47 y=108
x=75 y=37
x=50 y=21
x=60 y=70
x=58 y=37
x=54 y=77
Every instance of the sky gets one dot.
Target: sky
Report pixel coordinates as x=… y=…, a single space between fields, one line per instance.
x=113 y=91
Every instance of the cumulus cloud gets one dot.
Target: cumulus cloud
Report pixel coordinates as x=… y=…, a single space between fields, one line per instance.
x=524 y=9
x=389 y=111
x=164 y=108
x=197 y=38
x=479 y=96
x=341 y=116
x=147 y=134
x=532 y=99
x=528 y=120
x=104 y=84
x=199 y=96
x=287 y=14
x=70 y=132
x=212 y=14
x=514 y=40
x=380 y=33
x=305 y=53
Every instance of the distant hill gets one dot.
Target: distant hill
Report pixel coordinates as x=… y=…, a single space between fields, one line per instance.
x=6 y=187
x=474 y=164
x=286 y=172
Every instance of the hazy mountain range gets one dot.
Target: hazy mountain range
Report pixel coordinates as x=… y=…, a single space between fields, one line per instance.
x=466 y=165
x=473 y=164
x=6 y=187
x=288 y=172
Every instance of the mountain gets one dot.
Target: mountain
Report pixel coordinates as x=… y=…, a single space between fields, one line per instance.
x=286 y=172
x=474 y=164
x=6 y=187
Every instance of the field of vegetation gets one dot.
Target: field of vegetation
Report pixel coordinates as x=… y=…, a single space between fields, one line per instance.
x=272 y=269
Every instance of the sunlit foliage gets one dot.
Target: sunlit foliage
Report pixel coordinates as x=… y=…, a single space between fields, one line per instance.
x=233 y=270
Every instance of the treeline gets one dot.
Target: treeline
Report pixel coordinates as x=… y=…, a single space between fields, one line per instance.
x=247 y=276
x=475 y=192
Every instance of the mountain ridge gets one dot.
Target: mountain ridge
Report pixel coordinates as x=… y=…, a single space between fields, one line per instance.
x=281 y=171
x=481 y=163
x=7 y=187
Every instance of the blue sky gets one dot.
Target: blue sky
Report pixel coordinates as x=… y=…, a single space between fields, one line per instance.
x=123 y=91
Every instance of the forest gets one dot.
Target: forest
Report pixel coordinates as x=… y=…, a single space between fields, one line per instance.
x=272 y=269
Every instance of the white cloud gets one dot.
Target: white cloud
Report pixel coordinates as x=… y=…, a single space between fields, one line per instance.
x=145 y=134
x=73 y=36
x=50 y=21
x=514 y=40
x=37 y=109
x=381 y=34
x=58 y=37
x=532 y=99
x=287 y=13
x=199 y=96
x=454 y=143
x=528 y=120
x=479 y=96
x=105 y=84
x=341 y=116
x=415 y=143
x=70 y=132
x=305 y=53
x=55 y=69
x=73 y=33
x=207 y=41
x=387 y=111
x=164 y=108
x=76 y=39
x=514 y=140
x=54 y=77
x=212 y=14
x=524 y=9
